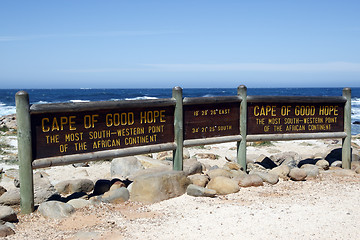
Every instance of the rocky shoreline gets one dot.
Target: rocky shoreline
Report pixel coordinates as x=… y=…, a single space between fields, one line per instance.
x=137 y=189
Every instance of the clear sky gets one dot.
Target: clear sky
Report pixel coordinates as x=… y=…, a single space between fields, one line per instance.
x=150 y=44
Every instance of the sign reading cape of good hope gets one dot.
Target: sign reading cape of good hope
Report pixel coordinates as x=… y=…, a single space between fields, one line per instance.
x=282 y=118
x=65 y=133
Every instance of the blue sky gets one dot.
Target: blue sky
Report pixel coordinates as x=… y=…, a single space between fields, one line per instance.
x=150 y=44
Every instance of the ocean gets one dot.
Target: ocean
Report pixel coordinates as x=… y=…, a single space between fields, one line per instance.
x=7 y=96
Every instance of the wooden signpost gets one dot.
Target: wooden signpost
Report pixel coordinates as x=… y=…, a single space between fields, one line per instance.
x=65 y=133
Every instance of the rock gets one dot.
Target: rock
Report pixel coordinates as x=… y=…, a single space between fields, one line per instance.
x=356 y=122
x=7 y=214
x=124 y=167
x=197 y=191
x=254 y=166
x=223 y=185
x=251 y=180
x=6 y=231
x=268 y=177
x=116 y=196
x=79 y=203
x=55 y=209
x=192 y=166
x=290 y=162
x=116 y=185
x=323 y=164
x=297 y=174
x=155 y=187
x=73 y=186
x=336 y=164
x=148 y=162
x=281 y=157
x=312 y=171
x=101 y=186
x=281 y=171
x=186 y=153
x=232 y=166
x=2 y=190
x=357 y=170
x=199 y=180
x=206 y=156
x=237 y=173
x=83 y=164
x=218 y=172
x=168 y=155
x=45 y=192
x=11 y=197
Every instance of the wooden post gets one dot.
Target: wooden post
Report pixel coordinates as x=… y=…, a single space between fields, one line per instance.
x=241 y=145
x=346 y=142
x=178 y=128
x=24 y=152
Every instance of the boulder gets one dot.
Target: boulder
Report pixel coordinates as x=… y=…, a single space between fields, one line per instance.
x=116 y=185
x=192 y=166
x=199 y=180
x=6 y=231
x=322 y=163
x=297 y=174
x=336 y=164
x=357 y=170
x=268 y=177
x=125 y=166
x=281 y=157
x=312 y=171
x=232 y=166
x=2 y=190
x=116 y=196
x=7 y=214
x=290 y=162
x=197 y=191
x=255 y=166
x=148 y=162
x=73 y=186
x=281 y=171
x=79 y=203
x=223 y=185
x=250 y=180
x=11 y=197
x=45 y=192
x=219 y=172
x=55 y=209
x=158 y=186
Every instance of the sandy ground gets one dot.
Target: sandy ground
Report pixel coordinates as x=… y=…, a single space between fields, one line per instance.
x=323 y=208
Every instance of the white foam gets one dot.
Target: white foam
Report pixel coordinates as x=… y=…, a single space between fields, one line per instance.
x=355 y=101
x=141 y=98
x=79 y=101
x=6 y=110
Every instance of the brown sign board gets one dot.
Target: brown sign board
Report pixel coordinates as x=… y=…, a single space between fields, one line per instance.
x=211 y=120
x=282 y=118
x=67 y=133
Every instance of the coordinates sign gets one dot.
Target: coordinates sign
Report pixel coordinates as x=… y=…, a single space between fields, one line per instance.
x=211 y=120
x=280 y=118
x=58 y=134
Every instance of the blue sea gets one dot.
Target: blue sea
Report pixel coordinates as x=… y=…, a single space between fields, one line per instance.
x=7 y=96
